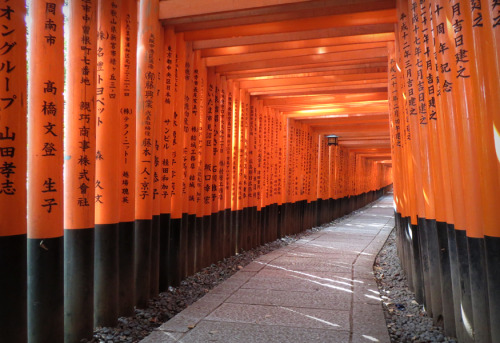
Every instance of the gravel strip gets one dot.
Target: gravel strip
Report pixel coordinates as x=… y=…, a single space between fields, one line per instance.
x=407 y=321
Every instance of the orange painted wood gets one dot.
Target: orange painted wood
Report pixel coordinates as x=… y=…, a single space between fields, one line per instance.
x=269 y=55
x=157 y=127
x=303 y=47
x=177 y=129
x=13 y=126
x=291 y=37
x=45 y=122
x=486 y=40
x=304 y=60
x=80 y=121
x=306 y=24
x=168 y=99
x=128 y=109
x=147 y=111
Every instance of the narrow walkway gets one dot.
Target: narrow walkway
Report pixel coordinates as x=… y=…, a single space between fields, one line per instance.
x=318 y=289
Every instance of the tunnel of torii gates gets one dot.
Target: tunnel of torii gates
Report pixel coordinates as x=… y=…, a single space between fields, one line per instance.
x=154 y=138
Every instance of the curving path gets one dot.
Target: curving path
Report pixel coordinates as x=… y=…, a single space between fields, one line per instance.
x=318 y=289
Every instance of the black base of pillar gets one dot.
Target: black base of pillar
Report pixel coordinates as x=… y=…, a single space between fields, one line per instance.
x=492 y=250
x=446 y=283
x=435 y=271
x=455 y=283
x=154 y=281
x=199 y=239
x=165 y=246
x=45 y=290
x=479 y=290
x=127 y=272
x=465 y=291
x=174 y=252
x=209 y=243
x=142 y=261
x=78 y=284
x=191 y=245
x=227 y=233
x=418 y=279
x=106 y=275
x=13 y=289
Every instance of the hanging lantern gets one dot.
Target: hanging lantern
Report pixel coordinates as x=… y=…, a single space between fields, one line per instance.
x=332 y=139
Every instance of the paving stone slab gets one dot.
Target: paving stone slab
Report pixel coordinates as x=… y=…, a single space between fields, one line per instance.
x=225 y=332
x=159 y=336
x=319 y=300
x=281 y=315
x=369 y=320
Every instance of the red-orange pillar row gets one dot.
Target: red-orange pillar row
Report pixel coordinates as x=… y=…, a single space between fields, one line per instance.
x=79 y=171
x=45 y=174
x=13 y=137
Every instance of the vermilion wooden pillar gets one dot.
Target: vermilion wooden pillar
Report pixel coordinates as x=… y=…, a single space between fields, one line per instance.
x=148 y=43
x=13 y=136
x=107 y=181
x=177 y=158
x=167 y=256
x=128 y=63
x=79 y=172
x=45 y=174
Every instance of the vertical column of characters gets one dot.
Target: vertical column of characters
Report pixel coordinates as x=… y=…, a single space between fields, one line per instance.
x=314 y=166
x=221 y=175
x=252 y=170
x=239 y=109
x=167 y=102
x=128 y=86
x=420 y=37
x=208 y=142
x=79 y=171
x=274 y=156
x=409 y=105
x=395 y=127
x=405 y=160
x=148 y=43
x=177 y=157
x=189 y=152
x=107 y=182
x=234 y=165
x=240 y=152
x=202 y=220
x=216 y=217
x=258 y=182
x=157 y=171
x=229 y=164
x=193 y=159
x=243 y=196
x=45 y=160
x=429 y=60
x=283 y=144
x=208 y=161
x=13 y=193
x=288 y=161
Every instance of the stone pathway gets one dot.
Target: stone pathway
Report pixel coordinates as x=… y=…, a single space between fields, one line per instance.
x=318 y=289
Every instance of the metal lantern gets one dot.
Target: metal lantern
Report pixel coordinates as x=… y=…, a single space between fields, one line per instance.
x=332 y=140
